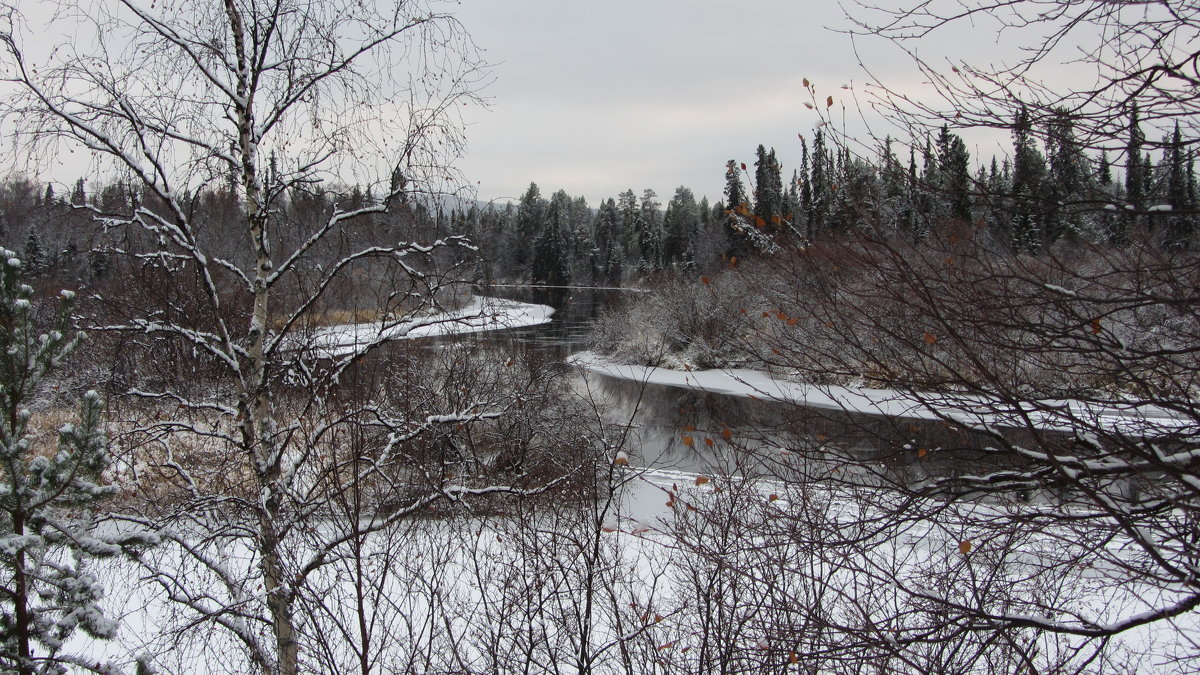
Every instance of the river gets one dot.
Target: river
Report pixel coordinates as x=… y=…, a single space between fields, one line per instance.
x=681 y=429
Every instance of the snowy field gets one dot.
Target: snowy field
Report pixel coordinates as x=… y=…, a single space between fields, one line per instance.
x=625 y=584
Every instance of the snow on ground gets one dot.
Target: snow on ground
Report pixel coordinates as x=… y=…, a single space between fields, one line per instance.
x=457 y=587
x=967 y=409
x=480 y=314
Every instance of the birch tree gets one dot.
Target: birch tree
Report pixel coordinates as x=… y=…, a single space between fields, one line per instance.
x=237 y=465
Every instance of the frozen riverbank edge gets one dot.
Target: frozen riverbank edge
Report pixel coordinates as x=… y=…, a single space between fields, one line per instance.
x=971 y=410
x=481 y=313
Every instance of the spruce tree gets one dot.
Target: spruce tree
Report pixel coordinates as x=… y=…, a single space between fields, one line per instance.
x=1104 y=172
x=954 y=178
x=1066 y=180
x=805 y=191
x=738 y=213
x=893 y=185
x=33 y=257
x=822 y=194
x=681 y=225
x=910 y=217
x=79 y=193
x=1029 y=171
x=650 y=232
x=768 y=203
x=735 y=193
x=530 y=216
x=606 y=256
x=791 y=204
x=550 y=265
x=996 y=190
x=1135 y=183
x=627 y=209
x=46 y=534
x=1180 y=223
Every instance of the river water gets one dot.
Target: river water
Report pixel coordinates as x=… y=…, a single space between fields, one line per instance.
x=678 y=429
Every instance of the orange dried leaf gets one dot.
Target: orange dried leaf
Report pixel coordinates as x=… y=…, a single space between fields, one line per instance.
x=743 y=166
x=930 y=338
x=689 y=428
x=964 y=546
x=701 y=480
x=688 y=441
x=793 y=658
x=829 y=102
x=773 y=497
x=808 y=105
x=922 y=452
x=1096 y=327
x=792 y=322
x=726 y=433
x=708 y=441
x=705 y=280
x=805 y=82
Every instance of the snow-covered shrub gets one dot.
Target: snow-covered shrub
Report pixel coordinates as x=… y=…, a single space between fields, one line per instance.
x=684 y=322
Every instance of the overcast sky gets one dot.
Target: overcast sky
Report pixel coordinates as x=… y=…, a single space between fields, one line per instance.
x=599 y=97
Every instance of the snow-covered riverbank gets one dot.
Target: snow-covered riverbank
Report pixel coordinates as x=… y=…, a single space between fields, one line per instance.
x=480 y=314
x=972 y=410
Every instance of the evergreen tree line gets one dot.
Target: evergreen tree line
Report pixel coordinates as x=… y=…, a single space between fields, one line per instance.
x=562 y=240
x=62 y=239
x=1039 y=194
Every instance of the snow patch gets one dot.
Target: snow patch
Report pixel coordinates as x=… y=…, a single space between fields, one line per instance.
x=972 y=410
x=480 y=314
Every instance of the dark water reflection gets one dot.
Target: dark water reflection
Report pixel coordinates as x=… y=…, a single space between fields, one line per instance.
x=575 y=311
x=698 y=431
